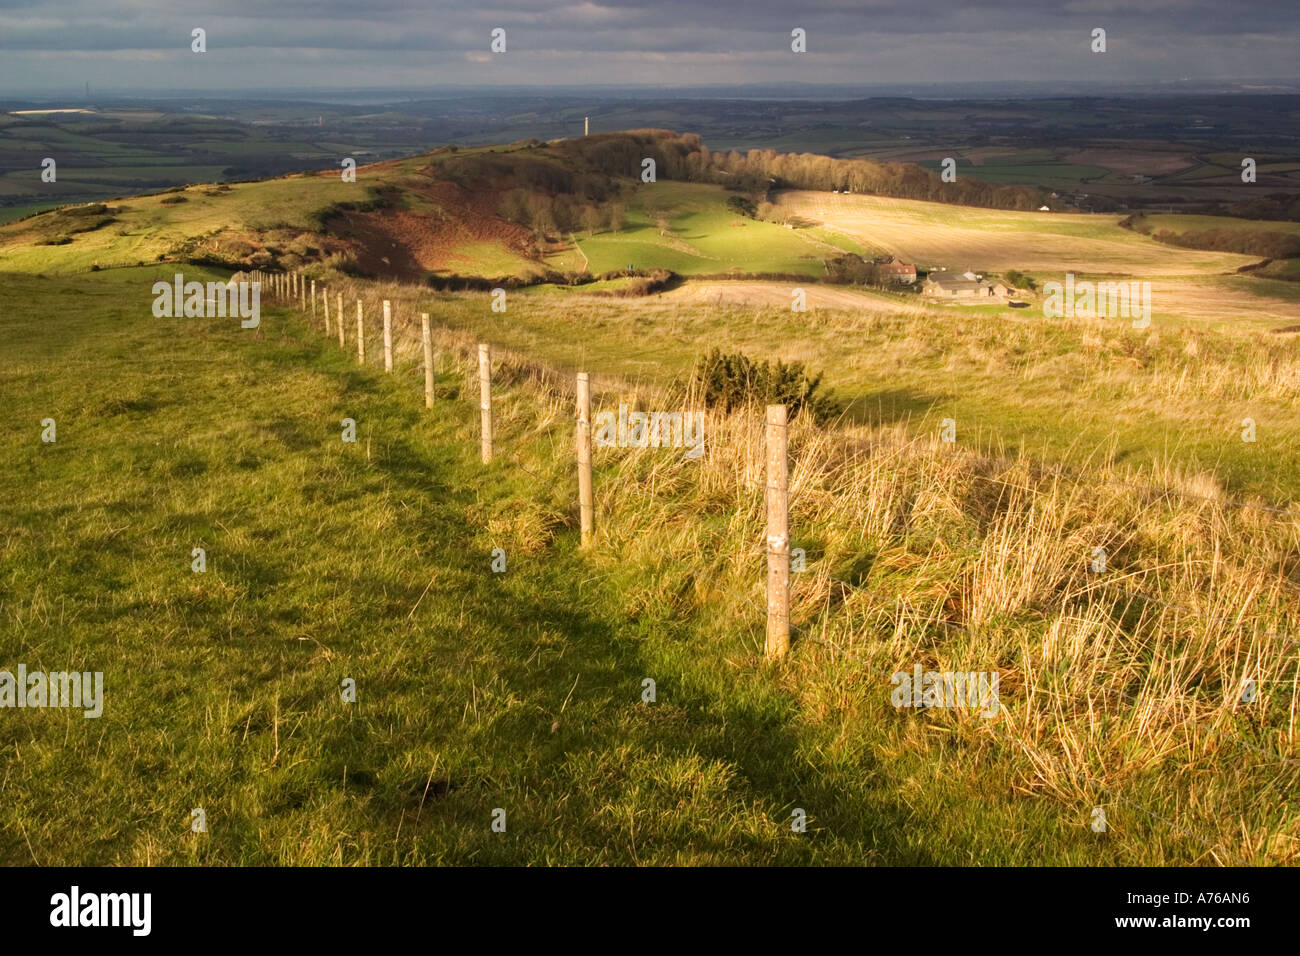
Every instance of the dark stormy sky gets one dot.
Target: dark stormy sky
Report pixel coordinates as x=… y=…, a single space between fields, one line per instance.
x=51 y=45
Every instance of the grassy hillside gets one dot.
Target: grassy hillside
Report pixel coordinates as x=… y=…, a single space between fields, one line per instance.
x=1180 y=223
x=1155 y=398
x=445 y=214
x=424 y=225
x=705 y=237
x=1253 y=237
x=961 y=237
x=522 y=690
x=371 y=561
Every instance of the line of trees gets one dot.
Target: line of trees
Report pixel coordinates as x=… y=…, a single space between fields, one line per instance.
x=1264 y=242
x=685 y=157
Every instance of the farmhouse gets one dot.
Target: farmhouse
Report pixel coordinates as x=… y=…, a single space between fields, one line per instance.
x=896 y=271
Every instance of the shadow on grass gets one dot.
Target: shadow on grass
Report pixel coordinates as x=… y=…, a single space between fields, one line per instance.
x=581 y=707
x=890 y=406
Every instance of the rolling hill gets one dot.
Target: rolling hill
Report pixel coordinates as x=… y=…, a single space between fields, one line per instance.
x=521 y=689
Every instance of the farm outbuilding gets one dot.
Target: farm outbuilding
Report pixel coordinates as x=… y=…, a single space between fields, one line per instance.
x=956 y=287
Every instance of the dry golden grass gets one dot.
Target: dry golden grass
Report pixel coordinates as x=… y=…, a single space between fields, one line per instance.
x=961 y=237
x=1119 y=688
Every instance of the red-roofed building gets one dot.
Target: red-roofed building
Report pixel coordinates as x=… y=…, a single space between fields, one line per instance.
x=896 y=271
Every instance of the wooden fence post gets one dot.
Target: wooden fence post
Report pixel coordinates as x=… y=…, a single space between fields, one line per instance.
x=338 y=317
x=485 y=400
x=361 y=336
x=778 y=536
x=313 y=306
x=325 y=301
x=586 y=503
x=302 y=294
x=428 y=359
x=388 y=337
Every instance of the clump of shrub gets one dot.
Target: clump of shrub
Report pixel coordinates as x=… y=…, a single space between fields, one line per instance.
x=850 y=269
x=742 y=205
x=70 y=220
x=172 y=200
x=734 y=380
x=646 y=283
x=380 y=200
x=1018 y=280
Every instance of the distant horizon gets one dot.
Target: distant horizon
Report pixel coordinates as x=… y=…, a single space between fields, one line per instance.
x=837 y=92
x=554 y=44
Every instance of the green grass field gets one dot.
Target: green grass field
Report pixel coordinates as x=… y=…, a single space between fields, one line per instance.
x=1012 y=382
x=1181 y=222
x=1009 y=172
x=475 y=690
x=705 y=237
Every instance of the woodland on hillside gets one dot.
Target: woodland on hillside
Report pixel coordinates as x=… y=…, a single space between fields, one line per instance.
x=573 y=184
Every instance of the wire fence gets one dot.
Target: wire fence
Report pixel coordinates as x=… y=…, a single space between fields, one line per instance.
x=289 y=290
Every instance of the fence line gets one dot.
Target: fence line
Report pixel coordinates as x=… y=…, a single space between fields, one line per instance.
x=779 y=625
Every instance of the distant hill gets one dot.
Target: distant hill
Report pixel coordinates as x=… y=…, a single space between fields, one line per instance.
x=520 y=212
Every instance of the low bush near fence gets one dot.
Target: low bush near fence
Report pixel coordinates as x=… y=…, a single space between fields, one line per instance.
x=733 y=380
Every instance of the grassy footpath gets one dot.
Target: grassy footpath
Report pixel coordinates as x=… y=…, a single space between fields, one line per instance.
x=475 y=690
